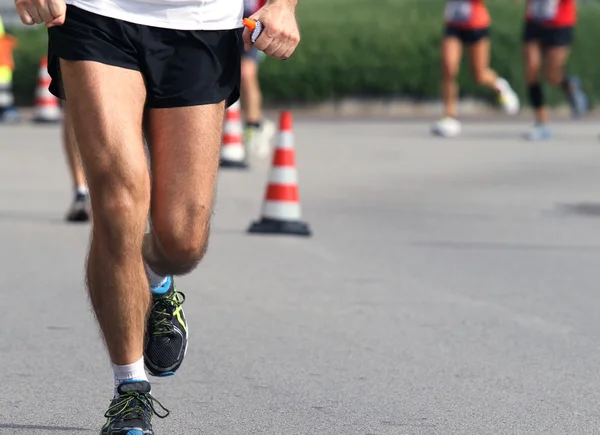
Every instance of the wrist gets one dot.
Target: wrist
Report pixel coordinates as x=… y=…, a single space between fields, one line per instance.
x=292 y=3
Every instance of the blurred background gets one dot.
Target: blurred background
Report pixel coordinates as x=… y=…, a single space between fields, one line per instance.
x=366 y=49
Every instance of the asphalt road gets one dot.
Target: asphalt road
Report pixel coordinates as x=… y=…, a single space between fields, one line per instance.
x=450 y=287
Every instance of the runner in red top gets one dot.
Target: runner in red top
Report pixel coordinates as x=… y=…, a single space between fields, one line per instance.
x=552 y=13
x=258 y=132
x=468 y=24
x=467 y=14
x=547 y=37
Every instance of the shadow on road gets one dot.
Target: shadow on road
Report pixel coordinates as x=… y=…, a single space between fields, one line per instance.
x=494 y=135
x=39 y=427
x=493 y=246
x=30 y=217
x=588 y=209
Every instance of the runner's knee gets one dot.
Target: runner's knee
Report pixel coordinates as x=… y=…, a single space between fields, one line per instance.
x=183 y=238
x=479 y=75
x=554 y=77
x=120 y=198
x=532 y=71
x=449 y=73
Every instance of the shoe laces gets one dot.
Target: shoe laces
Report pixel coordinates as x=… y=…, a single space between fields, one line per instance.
x=133 y=405
x=162 y=312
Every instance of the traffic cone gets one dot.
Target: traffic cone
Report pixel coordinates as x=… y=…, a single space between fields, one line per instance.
x=233 y=152
x=281 y=209
x=47 y=106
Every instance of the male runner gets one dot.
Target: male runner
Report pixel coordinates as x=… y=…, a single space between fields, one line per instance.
x=80 y=207
x=258 y=131
x=547 y=38
x=175 y=65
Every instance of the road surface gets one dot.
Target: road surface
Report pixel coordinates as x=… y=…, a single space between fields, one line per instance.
x=450 y=287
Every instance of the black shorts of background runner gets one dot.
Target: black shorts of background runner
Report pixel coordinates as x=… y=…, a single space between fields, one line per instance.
x=467 y=36
x=180 y=67
x=547 y=36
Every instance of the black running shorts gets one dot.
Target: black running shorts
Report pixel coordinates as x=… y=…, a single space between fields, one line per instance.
x=180 y=67
x=548 y=36
x=467 y=36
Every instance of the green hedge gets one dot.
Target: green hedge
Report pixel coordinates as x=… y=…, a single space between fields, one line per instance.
x=32 y=46
x=374 y=48
x=390 y=48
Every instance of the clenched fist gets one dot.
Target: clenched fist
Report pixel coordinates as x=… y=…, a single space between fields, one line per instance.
x=51 y=12
x=280 y=36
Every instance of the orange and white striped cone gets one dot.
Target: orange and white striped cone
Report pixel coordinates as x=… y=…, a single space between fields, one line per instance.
x=47 y=106
x=281 y=210
x=233 y=152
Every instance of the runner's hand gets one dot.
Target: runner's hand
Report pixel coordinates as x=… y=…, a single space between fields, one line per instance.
x=280 y=36
x=50 y=12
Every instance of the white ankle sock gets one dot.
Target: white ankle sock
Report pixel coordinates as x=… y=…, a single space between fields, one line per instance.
x=155 y=280
x=128 y=373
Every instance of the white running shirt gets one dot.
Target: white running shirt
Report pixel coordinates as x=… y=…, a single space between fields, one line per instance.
x=170 y=14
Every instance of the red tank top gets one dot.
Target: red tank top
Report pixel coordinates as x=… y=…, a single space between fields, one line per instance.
x=467 y=14
x=552 y=13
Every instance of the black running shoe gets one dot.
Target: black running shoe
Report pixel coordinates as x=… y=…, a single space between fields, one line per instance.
x=131 y=412
x=80 y=209
x=166 y=333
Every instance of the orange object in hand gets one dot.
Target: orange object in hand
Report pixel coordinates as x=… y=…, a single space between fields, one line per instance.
x=255 y=27
x=249 y=24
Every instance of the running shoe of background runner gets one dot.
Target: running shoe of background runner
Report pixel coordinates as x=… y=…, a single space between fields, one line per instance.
x=10 y=116
x=447 y=127
x=577 y=98
x=258 y=140
x=80 y=208
x=166 y=333
x=539 y=132
x=508 y=98
x=131 y=412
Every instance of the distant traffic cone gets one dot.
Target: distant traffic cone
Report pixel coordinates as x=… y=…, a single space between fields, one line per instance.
x=47 y=106
x=281 y=209
x=233 y=152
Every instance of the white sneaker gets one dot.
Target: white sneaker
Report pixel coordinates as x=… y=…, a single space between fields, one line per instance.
x=508 y=98
x=259 y=140
x=447 y=127
x=539 y=132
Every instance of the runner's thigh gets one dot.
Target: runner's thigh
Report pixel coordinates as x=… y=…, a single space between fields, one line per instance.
x=191 y=76
x=93 y=65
